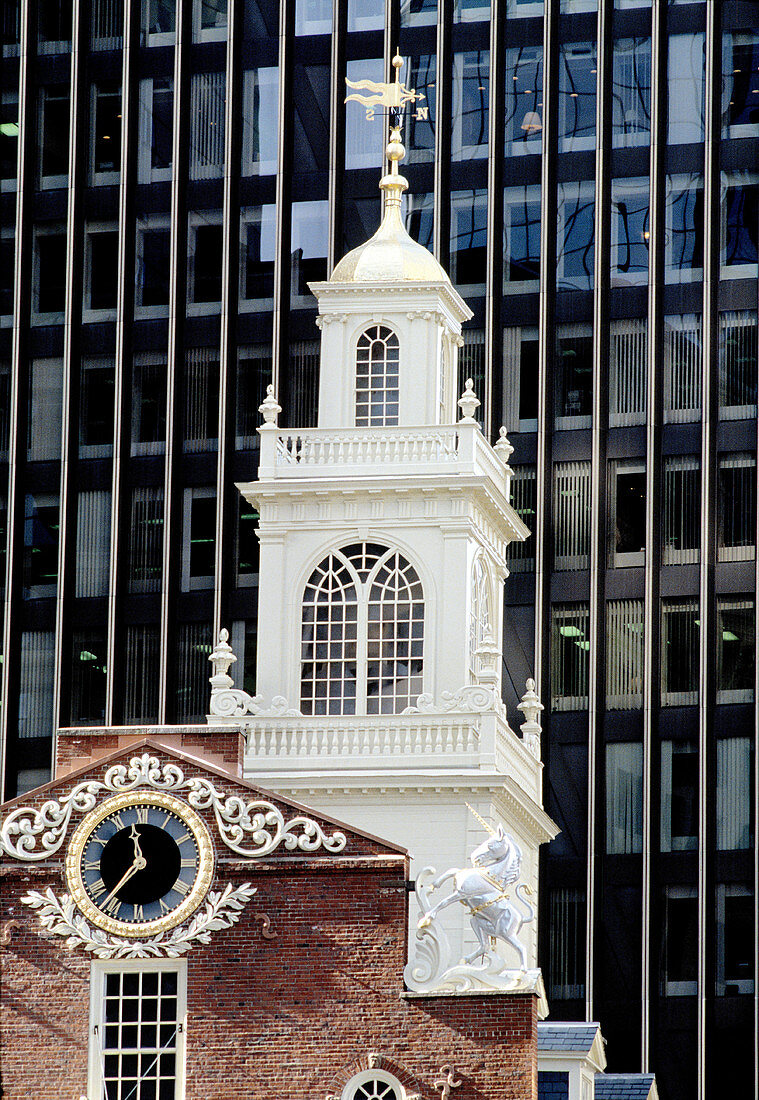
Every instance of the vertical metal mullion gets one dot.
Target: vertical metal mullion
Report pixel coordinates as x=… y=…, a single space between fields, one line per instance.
x=442 y=178
x=281 y=308
x=16 y=452
x=229 y=294
x=71 y=327
x=122 y=397
x=597 y=563
x=756 y=769
x=177 y=297
x=336 y=132
x=709 y=371
x=654 y=397
x=494 y=274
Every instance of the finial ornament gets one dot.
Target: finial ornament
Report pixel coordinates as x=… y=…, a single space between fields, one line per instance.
x=503 y=447
x=468 y=402
x=531 y=707
x=221 y=659
x=269 y=407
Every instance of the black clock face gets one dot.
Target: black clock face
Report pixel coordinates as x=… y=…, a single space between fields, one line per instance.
x=139 y=863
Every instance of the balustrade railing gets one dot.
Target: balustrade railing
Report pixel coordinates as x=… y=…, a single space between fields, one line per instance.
x=315 y=447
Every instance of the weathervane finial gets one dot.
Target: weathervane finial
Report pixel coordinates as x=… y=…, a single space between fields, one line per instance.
x=393 y=95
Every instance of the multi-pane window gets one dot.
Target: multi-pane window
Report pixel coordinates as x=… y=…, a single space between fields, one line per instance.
x=679 y=971
x=137 y=1031
x=682 y=368
x=93 y=542
x=377 y=356
x=631 y=92
x=630 y=232
x=571 y=514
x=734 y=793
x=628 y=360
x=735 y=650
x=624 y=797
x=362 y=633
x=679 y=653
x=736 y=507
x=679 y=796
x=577 y=96
x=373 y=1085
x=627 y=513
x=193 y=650
x=141 y=659
x=471 y=84
x=624 y=654
x=521 y=236
x=146 y=539
x=570 y=642
x=523 y=498
x=207 y=99
x=480 y=618
x=523 y=87
x=573 y=376
x=738 y=360
x=681 y=509
x=566 y=943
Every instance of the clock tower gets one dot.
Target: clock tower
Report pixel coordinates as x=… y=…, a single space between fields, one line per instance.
x=384 y=537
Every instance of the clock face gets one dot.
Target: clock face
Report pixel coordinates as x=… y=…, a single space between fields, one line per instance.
x=140 y=863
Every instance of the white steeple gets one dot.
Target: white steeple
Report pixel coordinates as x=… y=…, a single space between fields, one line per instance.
x=384 y=535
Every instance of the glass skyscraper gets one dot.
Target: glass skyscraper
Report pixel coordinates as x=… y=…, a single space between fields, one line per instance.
x=172 y=175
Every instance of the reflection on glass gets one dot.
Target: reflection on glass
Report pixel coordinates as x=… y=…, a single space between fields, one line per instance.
x=418 y=13
x=631 y=95
x=629 y=232
x=624 y=798
x=740 y=224
x=364 y=138
x=313 y=17
x=685 y=86
x=152 y=262
x=159 y=18
x=471 y=81
x=420 y=210
x=209 y=20
x=421 y=74
x=735 y=650
x=740 y=85
x=518 y=8
x=576 y=217
x=470 y=11
x=569 y=6
x=577 y=96
x=54 y=135
x=259 y=122
x=311 y=117
x=308 y=247
x=469 y=225
x=523 y=90
x=257 y=242
x=679 y=796
x=573 y=376
x=207 y=100
x=41 y=530
x=365 y=15
x=8 y=138
x=734 y=760
x=684 y=214
x=736 y=507
x=156 y=125
x=521 y=235
x=679 y=653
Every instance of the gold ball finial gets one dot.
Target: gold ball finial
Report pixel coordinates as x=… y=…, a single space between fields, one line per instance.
x=395 y=149
x=397 y=61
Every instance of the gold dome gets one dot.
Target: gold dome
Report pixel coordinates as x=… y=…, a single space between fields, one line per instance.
x=391 y=255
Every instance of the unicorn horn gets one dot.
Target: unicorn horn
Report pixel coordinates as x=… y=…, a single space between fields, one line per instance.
x=481 y=820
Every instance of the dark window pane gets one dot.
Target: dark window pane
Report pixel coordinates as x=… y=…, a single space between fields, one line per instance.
x=55 y=131
x=51 y=273
x=206 y=264
x=202 y=542
x=107 y=128
x=153 y=270
x=88 y=679
x=104 y=270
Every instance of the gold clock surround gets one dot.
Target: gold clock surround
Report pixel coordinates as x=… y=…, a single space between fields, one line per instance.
x=127 y=800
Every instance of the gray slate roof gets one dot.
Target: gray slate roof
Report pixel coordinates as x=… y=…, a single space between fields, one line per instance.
x=569 y=1037
x=624 y=1086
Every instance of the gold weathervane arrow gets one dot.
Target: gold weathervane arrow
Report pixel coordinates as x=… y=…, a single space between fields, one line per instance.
x=393 y=95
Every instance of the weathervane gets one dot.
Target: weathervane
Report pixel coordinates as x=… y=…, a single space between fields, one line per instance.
x=393 y=95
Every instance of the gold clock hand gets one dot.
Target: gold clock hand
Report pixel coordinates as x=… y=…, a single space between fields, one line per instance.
x=136 y=839
x=139 y=863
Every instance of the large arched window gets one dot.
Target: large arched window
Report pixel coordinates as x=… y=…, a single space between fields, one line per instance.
x=362 y=633
x=377 y=354
x=373 y=1084
x=479 y=614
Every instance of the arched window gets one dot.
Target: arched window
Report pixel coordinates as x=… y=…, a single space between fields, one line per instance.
x=479 y=613
x=373 y=1084
x=362 y=633
x=377 y=356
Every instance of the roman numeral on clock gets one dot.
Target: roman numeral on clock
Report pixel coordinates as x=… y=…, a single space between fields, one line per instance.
x=112 y=907
x=91 y=865
x=142 y=815
x=97 y=889
x=181 y=888
x=138 y=913
x=188 y=863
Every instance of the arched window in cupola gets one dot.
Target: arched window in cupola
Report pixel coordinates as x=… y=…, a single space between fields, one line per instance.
x=362 y=633
x=377 y=357
x=480 y=624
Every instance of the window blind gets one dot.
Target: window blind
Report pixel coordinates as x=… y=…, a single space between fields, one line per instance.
x=682 y=369
x=737 y=364
x=141 y=679
x=207 y=98
x=569 y=657
x=93 y=543
x=36 y=669
x=624 y=654
x=192 y=671
x=571 y=514
x=627 y=373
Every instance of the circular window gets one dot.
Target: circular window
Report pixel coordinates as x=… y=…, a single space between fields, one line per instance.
x=373 y=1085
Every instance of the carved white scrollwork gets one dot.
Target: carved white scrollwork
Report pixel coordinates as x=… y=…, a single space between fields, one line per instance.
x=60 y=917
x=235 y=703
x=251 y=828
x=474 y=698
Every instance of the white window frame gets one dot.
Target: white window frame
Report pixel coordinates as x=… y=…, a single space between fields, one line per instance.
x=148 y=225
x=145 y=171
x=198 y=221
x=207 y=34
x=676 y=184
x=267 y=79
x=633 y=558
x=91 y=230
x=155 y=38
x=98 y=971
x=190 y=583
x=363 y=408
x=48 y=183
x=57 y=317
x=366 y=1077
x=728 y=180
x=672 y=988
x=266 y=216
x=100 y=179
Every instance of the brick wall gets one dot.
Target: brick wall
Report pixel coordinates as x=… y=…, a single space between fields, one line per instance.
x=289 y=1015
x=78 y=747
